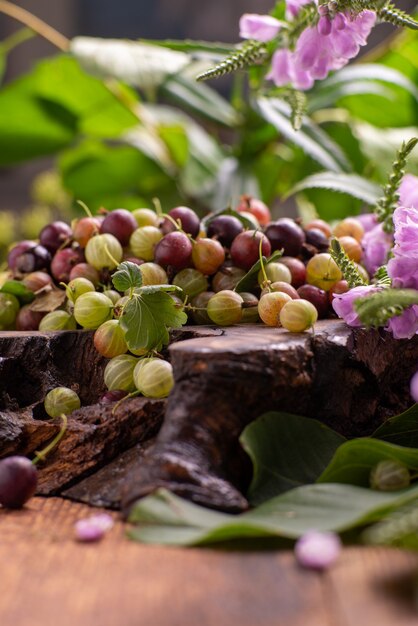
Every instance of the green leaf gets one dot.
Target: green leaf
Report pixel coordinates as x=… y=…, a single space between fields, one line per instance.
x=401 y=429
x=329 y=97
x=176 y=142
x=371 y=72
x=18 y=289
x=3 y=59
x=147 y=317
x=232 y=181
x=31 y=126
x=286 y=451
x=354 y=460
x=137 y=64
x=248 y=281
x=127 y=276
x=93 y=170
x=200 y=99
x=166 y=518
x=360 y=79
x=214 y=49
x=311 y=138
x=350 y=184
x=101 y=112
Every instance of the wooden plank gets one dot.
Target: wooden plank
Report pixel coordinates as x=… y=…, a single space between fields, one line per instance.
x=48 y=580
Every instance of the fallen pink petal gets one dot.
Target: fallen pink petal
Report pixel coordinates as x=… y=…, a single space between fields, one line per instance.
x=93 y=528
x=318 y=550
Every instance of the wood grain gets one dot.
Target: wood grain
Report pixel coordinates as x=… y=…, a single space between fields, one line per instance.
x=47 y=579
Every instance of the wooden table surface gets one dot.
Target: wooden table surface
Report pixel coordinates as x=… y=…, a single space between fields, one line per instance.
x=48 y=579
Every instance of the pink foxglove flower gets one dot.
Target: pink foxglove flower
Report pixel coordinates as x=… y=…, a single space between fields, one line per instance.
x=376 y=246
x=322 y=48
x=403 y=266
x=293 y=7
x=316 y=550
x=404 y=326
x=343 y=303
x=259 y=27
x=408 y=191
x=93 y=528
x=414 y=387
x=367 y=220
x=284 y=71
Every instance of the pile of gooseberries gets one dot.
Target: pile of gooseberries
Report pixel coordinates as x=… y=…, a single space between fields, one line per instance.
x=207 y=259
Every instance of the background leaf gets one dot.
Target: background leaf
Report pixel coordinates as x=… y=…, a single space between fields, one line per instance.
x=138 y=64
x=312 y=139
x=286 y=451
x=31 y=126
x=350 y=184
x=200 y=100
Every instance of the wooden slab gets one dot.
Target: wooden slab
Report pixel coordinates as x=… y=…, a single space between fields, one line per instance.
x=224 y=378
x=48 y=579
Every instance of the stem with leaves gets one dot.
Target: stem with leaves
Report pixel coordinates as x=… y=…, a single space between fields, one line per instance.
x=347 y=267
x=388 y=203
x=377 y=309
x=250 y=53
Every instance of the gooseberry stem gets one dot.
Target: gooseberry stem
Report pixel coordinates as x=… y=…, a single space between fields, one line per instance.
x=36 y=24
x=111 y=257
x=263 y=269
x=85 y=208
x=40 y=455
x=133 y=394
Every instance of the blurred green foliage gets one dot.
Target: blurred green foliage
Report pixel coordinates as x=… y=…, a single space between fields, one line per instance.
x=127 y=123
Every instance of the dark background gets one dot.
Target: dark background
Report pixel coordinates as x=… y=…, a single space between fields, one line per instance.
x=178 y=19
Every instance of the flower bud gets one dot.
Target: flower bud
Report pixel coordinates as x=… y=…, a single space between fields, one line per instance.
x=324 y=25
x=340 y=21
x=389 y=475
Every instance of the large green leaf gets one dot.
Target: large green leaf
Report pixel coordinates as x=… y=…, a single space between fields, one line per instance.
x=232 y=181
x=402 y=107
x=31 y=126
x=165 y=518
x=93 y=171
x=401 y=429
x=286 y=451
x=328 y=98
x=354 y=460
x=350 y=184
x=137 y=64
x=311 y=138
x=200 y=100
x=99 y=111
x=214 y=50
x=360 y=79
